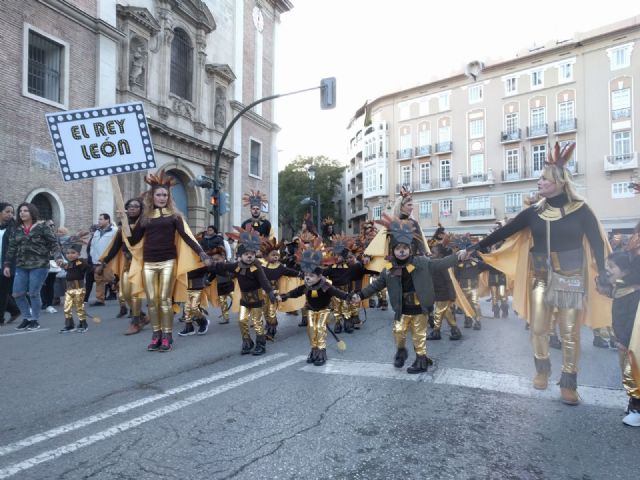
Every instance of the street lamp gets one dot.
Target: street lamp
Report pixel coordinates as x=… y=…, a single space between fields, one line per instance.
x=311 y=171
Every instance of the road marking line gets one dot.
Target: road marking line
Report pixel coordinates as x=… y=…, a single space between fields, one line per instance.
x=23 y=332
x=41 y=437
x=495 y=382
x=123 y=427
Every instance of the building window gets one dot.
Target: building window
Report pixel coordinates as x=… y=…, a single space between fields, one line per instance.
x=377 y=212
x=539 y=156
x=445 y=171
x=425 y=175
x=621 y=103
x=511 y=123
x=566 y=113
x=444 y=134
x=181 y=64
x=538 y=117
x=621 y=190
x=255 y=160
x=512 y=164
x=424 y=136
x=475 y=94
x=405 y=139
x=425 y=209
x=478 y=203
x=445 y=207
x=405 y=176
x=511 y=86
x=565 y=72
x=620 y=56
x=512 y=202
x=423 y=107
x=537 y=79
x=621 y=144
x=476 y=164
x=369 y=181
x=405 y=111
x=443 y=101
x=45 y=68
x=476 y=128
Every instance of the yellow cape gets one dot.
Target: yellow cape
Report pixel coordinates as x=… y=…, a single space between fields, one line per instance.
x=512 y=258
x=117 y=264
x=634 y=349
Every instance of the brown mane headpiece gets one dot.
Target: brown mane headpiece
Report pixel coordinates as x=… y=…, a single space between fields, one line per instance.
x=254 y=198
x=160 y=180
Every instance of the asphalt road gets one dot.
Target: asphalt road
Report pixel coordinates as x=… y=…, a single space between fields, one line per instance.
x=99 y=406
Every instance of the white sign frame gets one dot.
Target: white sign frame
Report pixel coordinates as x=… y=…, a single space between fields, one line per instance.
x=104 y=137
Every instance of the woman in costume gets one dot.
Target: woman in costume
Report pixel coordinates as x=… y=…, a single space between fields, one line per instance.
x=166 y=258
x=575 y=252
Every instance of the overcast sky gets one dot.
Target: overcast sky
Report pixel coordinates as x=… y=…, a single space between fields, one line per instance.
x=375 y=47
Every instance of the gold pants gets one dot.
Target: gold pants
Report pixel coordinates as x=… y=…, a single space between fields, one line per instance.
x=442 y=309
x=269 y=309
x=74 y=297
x=472 y=296
x=224 y=306
x=498 y=294
x=158 y=285
x=126 y=297
x=541 y=321
x=354 y=309
x=192 y=306
x=317 y=328
x=340 y=309
x=629 y=384
x=253 y=314
x=418 y=325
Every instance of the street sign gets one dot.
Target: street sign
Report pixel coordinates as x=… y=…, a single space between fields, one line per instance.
x=102 y=141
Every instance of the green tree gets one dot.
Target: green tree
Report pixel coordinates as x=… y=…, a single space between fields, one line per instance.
x=294 y=185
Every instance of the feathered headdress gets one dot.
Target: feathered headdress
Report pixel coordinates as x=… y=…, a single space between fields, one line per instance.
x=216 y=251
x=254 y=198
x=311 y=258
x=307 y=237
x=559 y=156
x=405 y=194
x=341 y=245
x=160 y=180
x=398 y=231
x=268 y=245
x=328 y=221
x=248 y=239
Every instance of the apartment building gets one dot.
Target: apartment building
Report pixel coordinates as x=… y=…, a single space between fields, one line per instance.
x=471 y=147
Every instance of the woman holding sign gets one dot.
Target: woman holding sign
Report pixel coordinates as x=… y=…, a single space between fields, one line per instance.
x=167 y=257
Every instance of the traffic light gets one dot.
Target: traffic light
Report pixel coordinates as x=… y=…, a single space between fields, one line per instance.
x=225 y=205
x=328 y=93
x=214 y=204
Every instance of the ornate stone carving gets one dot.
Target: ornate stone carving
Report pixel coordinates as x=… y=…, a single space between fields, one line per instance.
x=137 y=62
x=182 y=108
x=220 y=114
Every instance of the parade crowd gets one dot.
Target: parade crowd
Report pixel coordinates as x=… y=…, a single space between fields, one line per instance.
x=553 y=259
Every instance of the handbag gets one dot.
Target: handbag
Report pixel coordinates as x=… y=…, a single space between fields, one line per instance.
x=563 y=291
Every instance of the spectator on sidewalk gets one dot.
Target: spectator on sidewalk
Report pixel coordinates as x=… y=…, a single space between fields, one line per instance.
x=99 y=242
x=7 y=227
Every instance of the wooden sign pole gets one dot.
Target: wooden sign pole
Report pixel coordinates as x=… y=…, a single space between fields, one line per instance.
x=120 y=204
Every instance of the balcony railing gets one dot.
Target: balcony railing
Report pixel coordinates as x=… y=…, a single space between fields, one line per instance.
x=477 y=214
x=511 y=136
x=512 y=208
x=620 y=113
x=444 y=147
x=404 y=153
x=623 y=161
x=423 y=151
x=523 y=174
x=563 y=126
x=537 y=131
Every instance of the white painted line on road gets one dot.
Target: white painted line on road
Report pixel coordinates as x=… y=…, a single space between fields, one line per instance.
x=41 y=437
x=123 y=427
x=494 y=382
x=23 y=332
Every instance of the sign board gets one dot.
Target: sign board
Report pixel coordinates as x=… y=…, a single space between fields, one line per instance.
x=103 y=141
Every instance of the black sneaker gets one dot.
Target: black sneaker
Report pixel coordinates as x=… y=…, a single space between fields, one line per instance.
x=188 y=330
x=82 y=326
x=33 y=325
x=23 y=326
x=68 y=329
x=600 y=342
x=203 y=325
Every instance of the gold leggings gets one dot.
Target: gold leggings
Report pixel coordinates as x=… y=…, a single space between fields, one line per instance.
x=317 y=328
x=74 y=297
x=253 y=314
x=442 y=309
x=269 y=309
x=192 y=306
x=541 y=321
x=340 y=309
x=158 y=285
x=472 y=296
x=224 y=306
x=418 y=325
x=498 y=294
x=126 y=297
x=354 y=309
x=629 y=384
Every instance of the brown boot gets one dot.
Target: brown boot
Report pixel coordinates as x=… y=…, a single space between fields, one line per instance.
x=133 y=329
x=569 y=388
x=543 y=370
